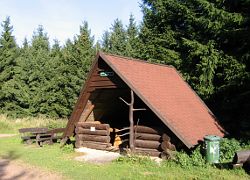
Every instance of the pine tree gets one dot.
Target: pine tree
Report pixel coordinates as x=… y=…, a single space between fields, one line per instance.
x=8 y=54
x=77 y=58
x=132 y=41
x=188 y=34
x=115 y=41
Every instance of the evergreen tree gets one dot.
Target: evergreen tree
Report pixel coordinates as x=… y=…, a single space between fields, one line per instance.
x=187 y=34
x=132 y=41
x=115 y=41
x=77 y=58
x=8 y=54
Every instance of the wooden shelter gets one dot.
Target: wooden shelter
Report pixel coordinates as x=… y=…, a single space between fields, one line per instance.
x=137 y=97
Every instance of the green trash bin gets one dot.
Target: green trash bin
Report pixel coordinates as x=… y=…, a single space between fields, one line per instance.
x=212 y=146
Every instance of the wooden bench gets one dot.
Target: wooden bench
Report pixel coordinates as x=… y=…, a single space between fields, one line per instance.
x=41 y=135
x=29 y=135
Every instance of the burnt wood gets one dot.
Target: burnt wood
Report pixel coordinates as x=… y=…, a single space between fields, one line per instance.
x=94 y=138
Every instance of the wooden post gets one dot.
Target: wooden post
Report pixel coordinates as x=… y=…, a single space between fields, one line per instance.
x=131 y=120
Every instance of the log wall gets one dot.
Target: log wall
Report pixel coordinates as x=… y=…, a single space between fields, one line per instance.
x=91 y=135
x=153 y=141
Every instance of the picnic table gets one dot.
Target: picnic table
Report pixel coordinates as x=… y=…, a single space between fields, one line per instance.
x=40 y=135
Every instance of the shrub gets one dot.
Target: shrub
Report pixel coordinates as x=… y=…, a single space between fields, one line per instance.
x=227 y=149
x=68 y=148
x=195 y=159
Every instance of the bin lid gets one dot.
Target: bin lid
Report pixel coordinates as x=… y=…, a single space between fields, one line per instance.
x=212 y=138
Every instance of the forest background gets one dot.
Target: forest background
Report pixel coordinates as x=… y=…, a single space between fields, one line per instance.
x=207 y=41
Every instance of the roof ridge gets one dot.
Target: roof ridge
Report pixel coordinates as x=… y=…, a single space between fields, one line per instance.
x=139 y=60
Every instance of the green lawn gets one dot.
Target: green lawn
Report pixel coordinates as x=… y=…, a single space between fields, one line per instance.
x=55 y=159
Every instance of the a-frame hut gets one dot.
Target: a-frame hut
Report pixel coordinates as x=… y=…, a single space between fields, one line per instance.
x=169 y=111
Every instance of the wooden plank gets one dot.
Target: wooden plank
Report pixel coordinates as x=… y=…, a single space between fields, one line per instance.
x=87 y=125
x=94 y=138
x=102 y=83
x=80 y=130
x=100 y=146
x=81 y=103
x=32 y=130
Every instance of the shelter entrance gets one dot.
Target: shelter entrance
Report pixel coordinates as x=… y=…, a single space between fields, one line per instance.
x=111 y=114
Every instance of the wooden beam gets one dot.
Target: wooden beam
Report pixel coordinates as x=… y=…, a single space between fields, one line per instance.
x=131 y=120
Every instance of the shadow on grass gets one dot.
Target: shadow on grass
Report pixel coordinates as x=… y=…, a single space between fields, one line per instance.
x=228 y=166
x=5 y=167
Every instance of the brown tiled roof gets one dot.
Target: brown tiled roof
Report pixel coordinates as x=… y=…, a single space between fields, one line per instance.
x=169 y=97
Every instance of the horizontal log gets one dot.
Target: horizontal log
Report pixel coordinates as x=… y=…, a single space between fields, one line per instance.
x=150 y=130
x=147 y=144
x=93 y=126
x=94 y=138
x=165 y=145
x=241 y=157
x=146 y=136
x=92 y=145
x=165 y=137
x=80 y=130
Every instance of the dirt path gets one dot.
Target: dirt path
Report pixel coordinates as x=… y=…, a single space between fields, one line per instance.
x=15 y=170
x=10 y=170
x=6 y=135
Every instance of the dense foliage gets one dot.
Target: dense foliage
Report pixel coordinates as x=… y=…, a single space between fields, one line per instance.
x=41 y=79
x=208 y=41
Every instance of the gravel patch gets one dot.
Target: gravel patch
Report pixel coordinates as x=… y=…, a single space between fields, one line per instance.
x=96 y=156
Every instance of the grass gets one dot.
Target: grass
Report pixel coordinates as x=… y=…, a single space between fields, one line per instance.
x=61 y=160
x=55 y=159
x=9 y=125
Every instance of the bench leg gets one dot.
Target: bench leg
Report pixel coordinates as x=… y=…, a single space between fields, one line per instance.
x=38 y=143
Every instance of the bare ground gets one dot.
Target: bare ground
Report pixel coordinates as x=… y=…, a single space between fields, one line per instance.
x=15 y=170
x=10 y=170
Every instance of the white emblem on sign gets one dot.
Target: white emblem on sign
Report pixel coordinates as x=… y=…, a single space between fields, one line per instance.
x=92 y=128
